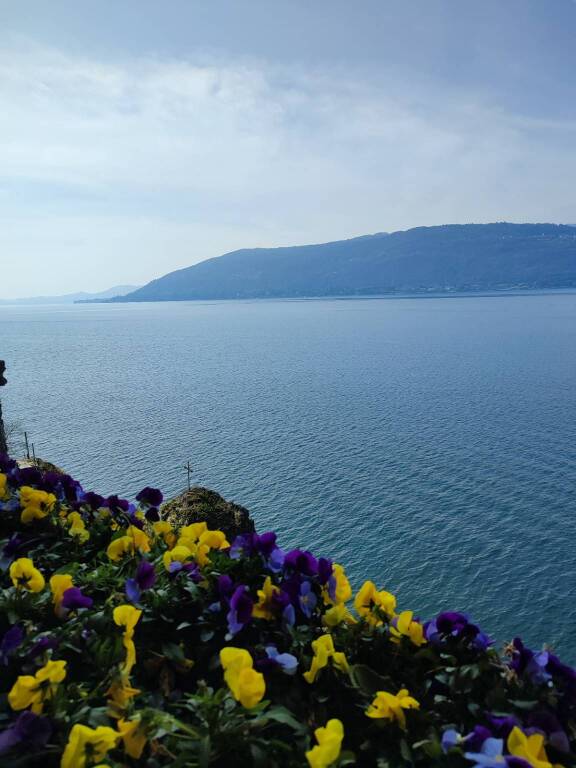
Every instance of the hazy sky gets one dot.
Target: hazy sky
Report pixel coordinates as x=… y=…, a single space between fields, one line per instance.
x=141 y=136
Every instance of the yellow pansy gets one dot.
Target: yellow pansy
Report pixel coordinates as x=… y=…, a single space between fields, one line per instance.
x=25 y=576
x=214 y=540
x=369 y=598
x=342 y=591
x=35 y=504
x=246 y=685
x=327 y=750
x=389 y=706
x=164 y=529
x=127 y=616
x=119 y=695
x=33 y=690
x=140 y=538
x=4 y=493
x=404 y=626
x=193 y=531
x=324 y=651
x=120 y=547
x=529 y=748
x=88 y=743
x=263 y=608
x=207 y=541
x=58 y=585
x=179 y=554
x=134 y=737
x=77 y=527
x=338 y=614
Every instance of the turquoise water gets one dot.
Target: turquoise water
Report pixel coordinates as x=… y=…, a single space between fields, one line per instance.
x=429 y=444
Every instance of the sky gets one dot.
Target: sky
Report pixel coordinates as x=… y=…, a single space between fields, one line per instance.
x=139 y=136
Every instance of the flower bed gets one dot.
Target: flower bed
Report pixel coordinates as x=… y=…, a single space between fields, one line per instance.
x=124 y=642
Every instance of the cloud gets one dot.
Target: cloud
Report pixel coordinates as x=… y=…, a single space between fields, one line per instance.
x=146 y=165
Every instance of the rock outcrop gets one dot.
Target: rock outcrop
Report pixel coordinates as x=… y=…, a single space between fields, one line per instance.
x=203 y=505
x=41 y=464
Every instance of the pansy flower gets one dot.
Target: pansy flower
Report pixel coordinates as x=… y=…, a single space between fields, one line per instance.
x=302 y=562
x=307 y=599
x=12 y=638
x=240 y=610
x=391 y=706
x=324 y=653
x=329 y=744
x=370 y=603
x=144 y=579
x=286 y=662
x=25 y=576
x=29 y=731
x=245 y=683
x=33 y=690
x=86 y=743
x=151 y=497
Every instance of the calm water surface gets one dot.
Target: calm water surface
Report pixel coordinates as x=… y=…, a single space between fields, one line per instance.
x=429 y=444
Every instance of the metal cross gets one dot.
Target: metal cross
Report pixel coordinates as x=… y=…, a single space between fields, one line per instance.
x=188 y=469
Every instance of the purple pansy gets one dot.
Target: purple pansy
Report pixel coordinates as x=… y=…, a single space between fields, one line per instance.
x=250 y=544
x=152 y=514
x=192 y=570
x=10 y=642
x=225 y=586
x=325 y=571
x=10 y=550
x=276 y=560
x=542 y=667
x=73 y=599
x=546 y=722
x=152 y=497
x=266 y=543
x=307 y=599
x=42 y=645
x=117 y=505
x=29 y=729
x=474 y=740
x=501 y=726
x=301 y=561
x=456 y=625
x=30 y=476
x=144 y=579
x=240 y=611
x=489 y=755
x=275 y=660
x=92 y=500
x=450 y=739
x=242 y=546
x=526 y=662
x=7 y=464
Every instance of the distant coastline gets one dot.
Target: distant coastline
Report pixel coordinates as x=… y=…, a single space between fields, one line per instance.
x=456 y=294
x=424 y=261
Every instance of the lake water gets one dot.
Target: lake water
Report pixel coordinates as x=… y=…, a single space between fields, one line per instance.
x=429 y=444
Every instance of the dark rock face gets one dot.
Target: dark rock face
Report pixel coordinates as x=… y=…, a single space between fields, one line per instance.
x=3 y=441
x=203 y=505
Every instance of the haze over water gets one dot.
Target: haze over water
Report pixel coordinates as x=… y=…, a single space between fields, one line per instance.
x=428 y=444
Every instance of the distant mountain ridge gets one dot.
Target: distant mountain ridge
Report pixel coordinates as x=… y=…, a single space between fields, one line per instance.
x=71 y=298
x=452 y=257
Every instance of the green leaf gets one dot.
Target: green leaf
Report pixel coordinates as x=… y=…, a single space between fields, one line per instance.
x=173 y=653
x=369 y=681
x=284 y=716
x=405 y=750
